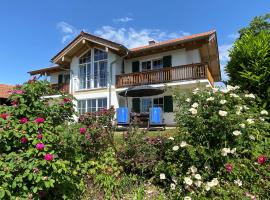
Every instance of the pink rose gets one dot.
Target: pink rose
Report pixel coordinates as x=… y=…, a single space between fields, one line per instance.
x=23 y=120
x=262 y=159
x=14 y=103
x=4 y=116
x=39 y=120
x=24 y=140
x=83 y=130
x=66 y=100
x=48 y=157
x=229 y=167
x=40 y=146
x=39 y=136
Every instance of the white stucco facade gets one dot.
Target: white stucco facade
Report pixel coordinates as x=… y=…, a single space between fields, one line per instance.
x=116 y=65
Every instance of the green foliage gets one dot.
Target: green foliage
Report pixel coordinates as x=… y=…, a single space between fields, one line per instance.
x=249 y=65
x=221 y=150
x=30 y=163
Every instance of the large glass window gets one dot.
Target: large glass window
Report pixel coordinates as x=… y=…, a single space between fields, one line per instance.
x=91 y=105
x=152 y=64
x=157 y=64
x=146 y=104
x=100 y=68
x=85 y=70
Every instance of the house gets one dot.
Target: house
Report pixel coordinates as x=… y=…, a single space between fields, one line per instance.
x=95 y=70
x=4 y=93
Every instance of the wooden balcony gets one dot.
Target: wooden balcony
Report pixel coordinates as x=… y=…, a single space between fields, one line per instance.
x=165 y=75
x=64 y=87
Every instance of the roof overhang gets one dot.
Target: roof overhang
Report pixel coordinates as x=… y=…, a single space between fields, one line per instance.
x=83 y=42
x=49 y=70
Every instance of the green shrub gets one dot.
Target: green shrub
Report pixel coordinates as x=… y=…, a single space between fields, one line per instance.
x=223 y=150
x=30 y=162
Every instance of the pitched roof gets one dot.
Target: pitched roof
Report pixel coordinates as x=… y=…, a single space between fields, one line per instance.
x=176 y=40
x=4 y=90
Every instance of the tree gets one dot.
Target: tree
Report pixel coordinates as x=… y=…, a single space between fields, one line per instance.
x=249 y=65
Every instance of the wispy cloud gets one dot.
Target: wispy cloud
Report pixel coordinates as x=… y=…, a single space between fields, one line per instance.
x=123 y=19
x=132 y=37
x=233 y=36
x=68 y=31
x=224 y=58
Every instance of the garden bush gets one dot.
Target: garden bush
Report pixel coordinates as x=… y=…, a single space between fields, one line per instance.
x=30 y=162
x=223 y=149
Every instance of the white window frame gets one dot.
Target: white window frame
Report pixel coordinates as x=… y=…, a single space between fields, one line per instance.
x=152 y=102
x=86 y=101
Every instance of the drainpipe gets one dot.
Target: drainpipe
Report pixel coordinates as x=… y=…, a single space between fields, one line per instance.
x=110 y=75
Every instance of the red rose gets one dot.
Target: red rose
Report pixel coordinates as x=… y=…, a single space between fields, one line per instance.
x=82 y=130
x=4 y=116
x=24 y=140
x=23 y=120
x=39 y=120
x=48 y=157
x=67 y=100
x=262 y=159
x=229 y=167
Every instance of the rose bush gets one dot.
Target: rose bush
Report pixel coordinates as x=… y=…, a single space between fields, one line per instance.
x=223 y=148
x=31 y=166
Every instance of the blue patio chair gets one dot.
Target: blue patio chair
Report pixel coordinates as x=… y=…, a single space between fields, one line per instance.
x=122 y=116
x=156 y=117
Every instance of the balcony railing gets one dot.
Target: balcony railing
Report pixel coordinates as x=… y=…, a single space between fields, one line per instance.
x=165 y=75
x=64 y=87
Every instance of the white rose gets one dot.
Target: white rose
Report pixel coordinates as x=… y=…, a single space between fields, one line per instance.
x=251 y=137
x=195 y=105
x=222 y=113
x=193 y=111
x=198 y=176
x=171 y=138
x=198 y=183
x=233 y=151
x=264 y=112
x=242 y=125
x=193 y=169
x=188 y=181
x=172 y=186
x=234 y=95
x=162 y=176
x=175 y=148
x=207 y=187
x=210 y=99
x=188 y=100
x=187 y=198
x=215 y=90
x=250 y=96
x=236 y=133
x=215 y=181
x=225 y=151
x=223 y=101
x=238 y=182
x=183 y=144
x=250 y=121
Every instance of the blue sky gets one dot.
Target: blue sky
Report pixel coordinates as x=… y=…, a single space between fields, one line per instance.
x=33 y=31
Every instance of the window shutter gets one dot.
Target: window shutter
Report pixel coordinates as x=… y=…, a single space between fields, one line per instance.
x=136 y=105
x=168 y=104
x=167 y=61
x=60 y=78
x=135 y=66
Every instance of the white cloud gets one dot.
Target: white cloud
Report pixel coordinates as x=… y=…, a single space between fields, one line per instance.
x=132 y=37
x=68 y=31
x=224 y=58
x=233 y=36
x=123 y=19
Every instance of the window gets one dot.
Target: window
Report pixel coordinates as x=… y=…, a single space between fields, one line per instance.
x=146 y=104
x=100 y=68
x=152 y=64
x=91 y=105
x=146 y=65
x=158 y=102
x=85 y=70
x=157 y=64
